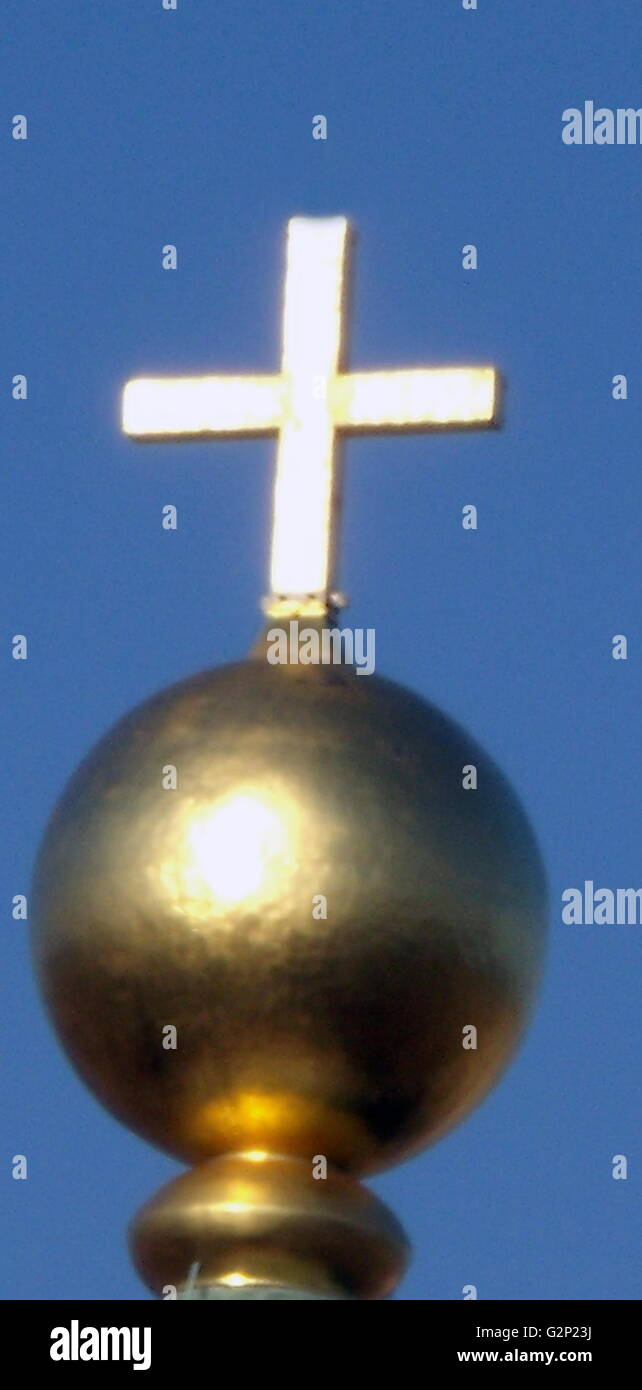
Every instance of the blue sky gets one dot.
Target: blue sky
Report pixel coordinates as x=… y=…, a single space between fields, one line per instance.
x=444 y=128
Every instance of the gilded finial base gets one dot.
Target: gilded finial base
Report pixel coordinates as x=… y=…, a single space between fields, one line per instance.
x=258 y=1293
x=262 y=1226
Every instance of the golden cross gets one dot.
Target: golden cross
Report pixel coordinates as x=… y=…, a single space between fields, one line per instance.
x=306 y=404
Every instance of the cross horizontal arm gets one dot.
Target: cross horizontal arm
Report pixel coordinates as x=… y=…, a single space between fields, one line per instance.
x=166 y=407
x=437 y=396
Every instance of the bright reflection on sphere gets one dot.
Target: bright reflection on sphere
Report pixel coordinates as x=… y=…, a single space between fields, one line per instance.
x=236 y=848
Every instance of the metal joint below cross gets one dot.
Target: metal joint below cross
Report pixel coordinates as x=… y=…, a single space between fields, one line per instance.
x=307 y=403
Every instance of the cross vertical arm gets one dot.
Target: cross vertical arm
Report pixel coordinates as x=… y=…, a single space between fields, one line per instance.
x=307 y=484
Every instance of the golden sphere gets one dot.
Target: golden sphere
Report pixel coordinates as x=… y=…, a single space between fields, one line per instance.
x=268 y=914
